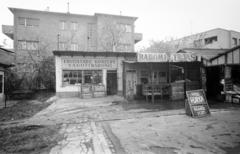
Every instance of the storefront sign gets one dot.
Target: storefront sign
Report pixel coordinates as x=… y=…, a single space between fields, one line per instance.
x=197 y=103
x=165 y=57
x=88 y=63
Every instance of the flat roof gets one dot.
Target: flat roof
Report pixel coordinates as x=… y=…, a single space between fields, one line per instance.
x=93 y=53
x=12 y=9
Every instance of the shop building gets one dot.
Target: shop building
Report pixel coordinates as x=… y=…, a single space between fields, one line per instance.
x=90 y=74
x=164 y=75
x=94 y=74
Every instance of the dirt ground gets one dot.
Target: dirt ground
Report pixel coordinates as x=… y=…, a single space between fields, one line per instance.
x=74 y=125
x=218 y=133
x=141 y=127
x=15 y=137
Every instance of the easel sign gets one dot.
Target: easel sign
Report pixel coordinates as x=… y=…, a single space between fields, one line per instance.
x=197 y=105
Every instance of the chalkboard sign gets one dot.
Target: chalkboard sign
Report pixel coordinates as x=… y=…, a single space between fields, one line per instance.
x=197 y=105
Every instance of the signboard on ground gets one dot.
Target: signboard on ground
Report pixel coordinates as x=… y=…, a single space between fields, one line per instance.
x=197 y=105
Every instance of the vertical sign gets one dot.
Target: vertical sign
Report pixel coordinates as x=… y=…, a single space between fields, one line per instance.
x=197 y=103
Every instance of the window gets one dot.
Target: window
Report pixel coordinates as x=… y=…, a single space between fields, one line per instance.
x=1 y=83
x=62 y=25
x=162 y=76
x=22 y=21
x=32 y=22
x=210 y=40
x=74 y=26
x=62 y=46
x=128 y=28
x=74 y=47
x=125 y=27
x=28 y=22
x=91 y=38
x=125 y=47
x=28 y=45
x=197 y=43
x=72 y=77
x=234 y=41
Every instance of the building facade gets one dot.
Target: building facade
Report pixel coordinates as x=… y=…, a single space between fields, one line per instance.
x=37 y=33
x=133 y=75
x=213 y=39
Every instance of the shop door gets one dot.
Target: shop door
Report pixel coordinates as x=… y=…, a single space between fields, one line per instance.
x=111 y=82
x=131 y=81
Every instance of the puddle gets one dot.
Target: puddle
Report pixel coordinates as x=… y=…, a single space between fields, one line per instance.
x=161 y=150
x=232 y=150
x=198 y=147
x=209 y=127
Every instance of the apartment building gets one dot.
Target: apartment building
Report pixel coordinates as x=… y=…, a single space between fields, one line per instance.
x=38 y=33
x=213 y=39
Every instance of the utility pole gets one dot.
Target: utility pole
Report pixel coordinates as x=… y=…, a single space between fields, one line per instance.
x=68 y=7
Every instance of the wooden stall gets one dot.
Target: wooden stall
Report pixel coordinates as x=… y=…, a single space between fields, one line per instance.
x=225 y=70
x=162 y=76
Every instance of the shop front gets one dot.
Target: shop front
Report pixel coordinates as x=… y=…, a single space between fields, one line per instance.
x=162 y=75
x=89 y=74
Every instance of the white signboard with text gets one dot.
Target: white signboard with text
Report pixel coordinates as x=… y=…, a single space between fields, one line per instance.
x=165 y=57
x=88 y=63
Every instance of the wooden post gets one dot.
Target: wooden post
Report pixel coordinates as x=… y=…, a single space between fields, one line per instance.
x=185 y=83
x=169 y=79
x=152 y=83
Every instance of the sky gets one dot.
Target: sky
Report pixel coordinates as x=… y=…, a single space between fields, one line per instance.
x=157 y=19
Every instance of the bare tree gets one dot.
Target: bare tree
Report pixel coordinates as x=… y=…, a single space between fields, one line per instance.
x=173 y=45
x=111 y=34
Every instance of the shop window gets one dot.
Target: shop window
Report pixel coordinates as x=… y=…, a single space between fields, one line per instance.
x=72 y=77
x=211 y=40
x=87 y=76
x=1 y=83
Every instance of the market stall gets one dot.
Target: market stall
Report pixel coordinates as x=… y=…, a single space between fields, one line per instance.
x=161 y=75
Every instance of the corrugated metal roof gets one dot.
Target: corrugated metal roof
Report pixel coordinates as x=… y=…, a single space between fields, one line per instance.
x=206 y=54
x=226 y=52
